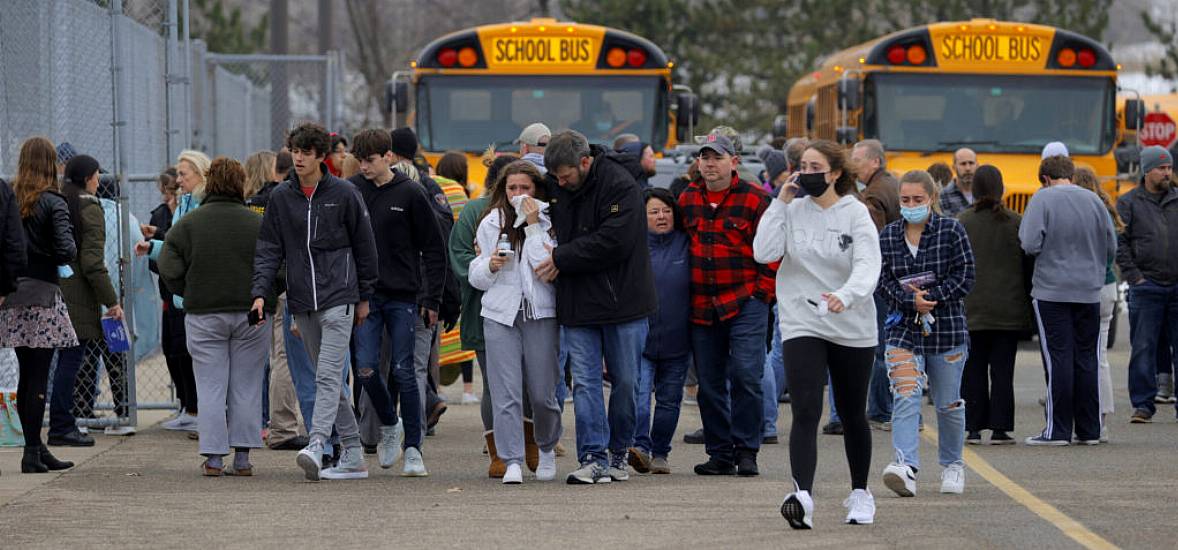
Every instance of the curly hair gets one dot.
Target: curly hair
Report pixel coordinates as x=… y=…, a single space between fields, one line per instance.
x=226 y=178
x=310 y=137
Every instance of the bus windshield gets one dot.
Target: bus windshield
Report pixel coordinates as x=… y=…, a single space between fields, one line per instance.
x=987 y=113
x=468 y=113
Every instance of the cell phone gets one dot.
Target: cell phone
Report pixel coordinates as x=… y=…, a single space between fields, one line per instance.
x=255 y=317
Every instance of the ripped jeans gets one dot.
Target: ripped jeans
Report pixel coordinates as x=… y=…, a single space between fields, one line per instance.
x=907 y=373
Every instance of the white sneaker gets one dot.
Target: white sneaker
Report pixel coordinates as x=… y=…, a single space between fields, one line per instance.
x=546 y=471
x=1104 y=433
x=183 y=423
x=350 y=466
x=119 y=430
x=469 y=399
x=389 y=448
x=514 y=475
x=310 y=459
x=798 y=510
x=414 y=465
x=901 y=479
x=860 y=507
x=953 y=479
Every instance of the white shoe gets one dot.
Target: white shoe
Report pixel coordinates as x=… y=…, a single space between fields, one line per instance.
x=860 y=507
x=310 y=459
x=469 y=399
x=1104 y=433
x=798 y=510
x=350 y=466
x=546 y=471
x=900 y=479
x=514 y=475
x=119 y=430
x=84 y=430
x=389 y=448
x=183 y=423
x=953 y=479
x=414 y=465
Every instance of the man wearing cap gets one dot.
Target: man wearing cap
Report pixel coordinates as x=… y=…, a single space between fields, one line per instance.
x=730 y=297
x=1148 y=263
x=532 y=141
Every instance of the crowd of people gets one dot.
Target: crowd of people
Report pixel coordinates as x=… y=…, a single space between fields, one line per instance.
x=323 y=275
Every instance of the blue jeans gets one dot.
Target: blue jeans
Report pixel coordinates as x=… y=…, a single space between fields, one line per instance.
x=620 y=345
x=879 y=395
x=302 y=370
x=562 y=365
x=665 y=380
x=773 y=382
x=61 y=403
x=834 y=412
x=397 y=320
x=730 y=361
x=907 y=372
x=1151 y=307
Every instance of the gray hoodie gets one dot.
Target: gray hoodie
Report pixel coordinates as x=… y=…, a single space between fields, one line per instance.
x=1069 y=232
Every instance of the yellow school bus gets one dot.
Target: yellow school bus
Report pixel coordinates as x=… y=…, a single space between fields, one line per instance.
x=479 y=87
x=1003 y=89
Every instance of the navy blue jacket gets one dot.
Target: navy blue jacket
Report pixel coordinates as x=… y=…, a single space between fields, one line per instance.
x=670 y=260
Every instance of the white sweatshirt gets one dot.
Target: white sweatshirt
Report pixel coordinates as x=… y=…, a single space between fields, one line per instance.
x=822 y=251
x=504 y=290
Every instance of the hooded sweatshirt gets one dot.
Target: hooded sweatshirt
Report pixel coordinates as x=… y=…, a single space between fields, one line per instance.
x=833 y=250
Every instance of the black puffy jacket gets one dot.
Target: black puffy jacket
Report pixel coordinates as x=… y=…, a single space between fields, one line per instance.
x=601 y=252
x=49 y=237
x=14 y=258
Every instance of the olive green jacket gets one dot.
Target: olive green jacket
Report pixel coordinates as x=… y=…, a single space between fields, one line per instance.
x=90 y=287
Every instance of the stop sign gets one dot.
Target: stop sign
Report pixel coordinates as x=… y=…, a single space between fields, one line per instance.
x=1158 y=129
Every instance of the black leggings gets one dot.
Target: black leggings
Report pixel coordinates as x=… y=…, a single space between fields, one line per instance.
x=807 y=361
x=31 y=390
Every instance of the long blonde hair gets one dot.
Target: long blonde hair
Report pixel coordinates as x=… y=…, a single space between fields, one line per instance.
x=1086 y=178
x=406 y=168
x=36 y=173
x=200 y=162
x=259 y=169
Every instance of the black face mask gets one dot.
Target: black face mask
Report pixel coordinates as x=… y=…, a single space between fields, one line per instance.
x=813 y=184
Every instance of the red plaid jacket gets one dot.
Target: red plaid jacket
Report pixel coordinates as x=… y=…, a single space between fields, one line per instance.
x=723 y=271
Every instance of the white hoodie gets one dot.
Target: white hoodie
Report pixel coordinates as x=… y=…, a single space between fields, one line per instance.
x=835 y=251
x=515 y=281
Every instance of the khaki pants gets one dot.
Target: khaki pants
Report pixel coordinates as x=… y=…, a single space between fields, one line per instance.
x=285 y=423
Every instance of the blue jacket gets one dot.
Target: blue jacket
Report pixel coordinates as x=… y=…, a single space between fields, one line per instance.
x=670 y=260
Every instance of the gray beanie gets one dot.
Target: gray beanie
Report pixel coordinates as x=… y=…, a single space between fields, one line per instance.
x=1154 y=156
x=774 y=161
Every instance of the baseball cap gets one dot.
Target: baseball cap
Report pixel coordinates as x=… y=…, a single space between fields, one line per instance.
x=535 y=134
x=718 y=143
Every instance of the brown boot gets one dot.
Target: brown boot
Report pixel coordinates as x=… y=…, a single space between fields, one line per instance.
x=497 y=468
x=531 y=451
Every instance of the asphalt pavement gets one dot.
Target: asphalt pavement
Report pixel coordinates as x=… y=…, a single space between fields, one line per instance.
x=146 y=491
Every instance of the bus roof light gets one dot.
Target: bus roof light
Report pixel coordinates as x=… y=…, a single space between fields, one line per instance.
x=1066 y=58
x=616 y=57
x=447 y=57
x=467 y=57
x=636 y=58
x=896 y=55
x=917 y=55
x=1086 y=58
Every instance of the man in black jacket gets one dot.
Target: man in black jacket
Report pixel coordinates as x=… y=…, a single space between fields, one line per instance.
x=604 y=294
x=13 y=257
x=318 y=226
x=407 y=234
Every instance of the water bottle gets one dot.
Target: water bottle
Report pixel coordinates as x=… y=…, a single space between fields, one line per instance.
x=503 y=248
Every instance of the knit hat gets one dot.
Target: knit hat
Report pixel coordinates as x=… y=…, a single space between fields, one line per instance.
x=1154 y=156
x=634 y=148
x=774 y=161
x=404 y=143
x=1055 y=149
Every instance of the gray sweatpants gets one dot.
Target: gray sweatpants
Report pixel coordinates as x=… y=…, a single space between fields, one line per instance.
x=486 y=410
x=229 y=363
x=326 y=334
x=523 y=357
x=426 y=337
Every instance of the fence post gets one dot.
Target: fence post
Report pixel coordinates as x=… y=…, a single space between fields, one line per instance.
x=120 y=168
x=171 y=79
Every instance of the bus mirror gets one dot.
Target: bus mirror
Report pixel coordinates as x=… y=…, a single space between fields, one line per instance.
x=849 y=93
x=847 y=135
x=389 y=99
x=780 y=126
x=1134 y=113
x=401 y=97
x=686 y=114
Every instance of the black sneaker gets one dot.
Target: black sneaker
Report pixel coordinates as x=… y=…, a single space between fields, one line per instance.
x=833 y=428
x=746 y=466
x=714 y=467
x=974 y=438
x=1001 y=438
x=784 y=398
x=694 y=438
x=770 y=440
x=74 y=438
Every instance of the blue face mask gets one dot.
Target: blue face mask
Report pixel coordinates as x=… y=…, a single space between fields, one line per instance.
x=915 y=214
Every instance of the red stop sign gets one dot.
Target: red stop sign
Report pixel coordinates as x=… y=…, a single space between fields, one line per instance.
x=1158 y=129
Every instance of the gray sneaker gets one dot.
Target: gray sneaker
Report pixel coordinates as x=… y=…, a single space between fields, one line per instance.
x=1165 y=388
x=310 y=458
x=588 y=474
x=389 y=448
x=414 y=465
x=617 y=466
x=350 y=466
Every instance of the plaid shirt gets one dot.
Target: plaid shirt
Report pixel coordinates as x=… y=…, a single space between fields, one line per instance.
x=944 y=252
x=953 y=201
x=723 y=271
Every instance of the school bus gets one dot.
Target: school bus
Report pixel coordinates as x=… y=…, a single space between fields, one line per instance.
x=1003 y=89
x=481 y=86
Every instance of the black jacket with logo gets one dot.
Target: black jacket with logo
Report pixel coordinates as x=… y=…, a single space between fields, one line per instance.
x=326 y=242
x=601 y=252
x=1148 y=247
x=407 y=237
